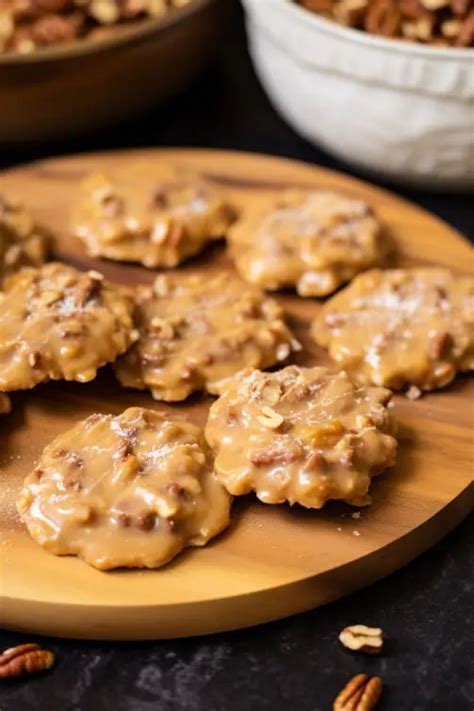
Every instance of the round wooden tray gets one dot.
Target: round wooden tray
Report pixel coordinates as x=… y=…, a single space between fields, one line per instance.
x=272 y=561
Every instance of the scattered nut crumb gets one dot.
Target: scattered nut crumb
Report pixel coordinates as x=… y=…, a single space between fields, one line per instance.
x=413 y=392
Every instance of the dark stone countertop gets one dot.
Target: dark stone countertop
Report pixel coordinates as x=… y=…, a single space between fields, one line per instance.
x=426 y=609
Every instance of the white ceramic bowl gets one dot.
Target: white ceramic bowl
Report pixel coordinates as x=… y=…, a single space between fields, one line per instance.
x=397 y=109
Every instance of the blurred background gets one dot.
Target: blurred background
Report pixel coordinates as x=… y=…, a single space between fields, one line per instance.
x=226 y=107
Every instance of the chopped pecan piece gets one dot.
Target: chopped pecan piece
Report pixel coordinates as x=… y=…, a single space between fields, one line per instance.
x=270 y=418
x=439 y=343
x=443 y=23
x=271 y=455
x=87 y=288
x=413 y=392
x=176 y=489
x=382 y=18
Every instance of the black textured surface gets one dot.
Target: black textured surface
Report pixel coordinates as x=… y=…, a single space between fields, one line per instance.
x=426 y=609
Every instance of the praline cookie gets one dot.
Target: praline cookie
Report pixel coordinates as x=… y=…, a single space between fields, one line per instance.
x=22 y=241
x=151 y=214
x=313 y=241
x=401 y=327
x=57 y=322
x=197 y=331
x=131 y=490
x=302 y=435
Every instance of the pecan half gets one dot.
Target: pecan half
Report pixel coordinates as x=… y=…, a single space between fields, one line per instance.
x=360 y=694
x=360 y=638
x=382 y=18
x=25 y=659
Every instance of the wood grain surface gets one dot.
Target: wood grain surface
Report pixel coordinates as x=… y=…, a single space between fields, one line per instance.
x=272 y=561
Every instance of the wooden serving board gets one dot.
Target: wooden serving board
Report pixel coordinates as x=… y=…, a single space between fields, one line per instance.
x=272 y=561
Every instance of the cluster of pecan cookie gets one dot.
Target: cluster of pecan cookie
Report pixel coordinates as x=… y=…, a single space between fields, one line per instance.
x=135 y=489
x=437 y=22
x=26 y=25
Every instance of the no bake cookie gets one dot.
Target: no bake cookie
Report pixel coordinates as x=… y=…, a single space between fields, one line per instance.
x=57 y=322
x=22 y=241
x=401 y=327
x=131 y=490
x=151 y=214
x=196 y=331
x=312 y=241
x=302 y=435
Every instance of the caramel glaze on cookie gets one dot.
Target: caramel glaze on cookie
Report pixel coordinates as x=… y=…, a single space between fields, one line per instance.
x=302 y=435
x=131 y=490
x=197 y=331
x=312 y=241
x=57 y=322
x=401 y=327
x=151 y=214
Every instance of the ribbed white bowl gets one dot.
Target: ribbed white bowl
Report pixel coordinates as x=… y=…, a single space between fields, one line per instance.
x=403 y=110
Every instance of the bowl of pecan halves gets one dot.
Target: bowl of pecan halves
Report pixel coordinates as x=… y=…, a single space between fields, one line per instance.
x=72 y=66
x=386 y=85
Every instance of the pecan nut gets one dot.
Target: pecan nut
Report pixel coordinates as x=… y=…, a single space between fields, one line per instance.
x=437 y=22
x=360 y=694
x=270 y=418
x=360 y=638
x=25 y=659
